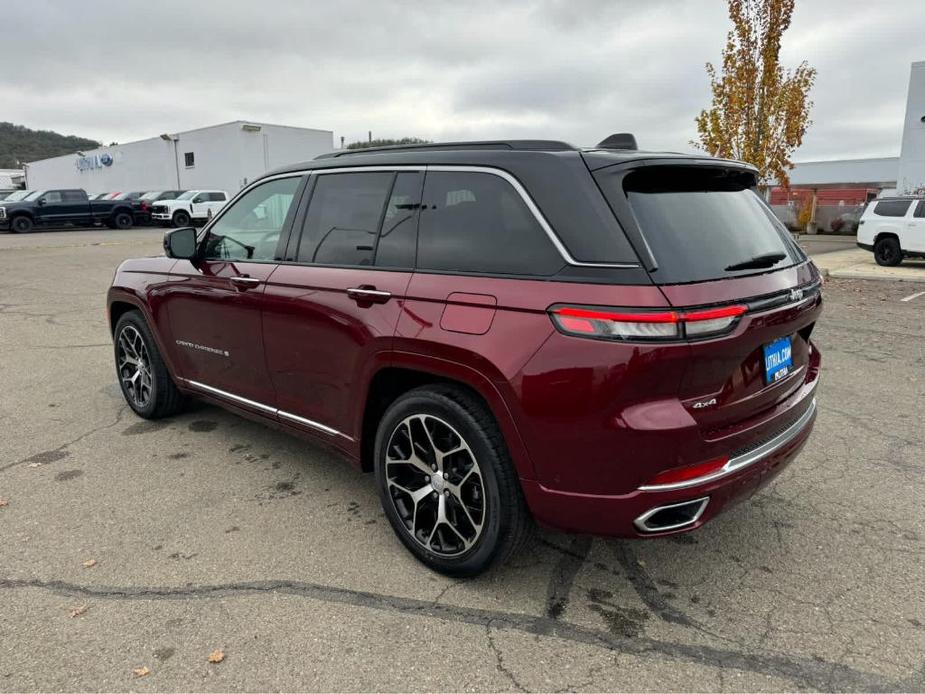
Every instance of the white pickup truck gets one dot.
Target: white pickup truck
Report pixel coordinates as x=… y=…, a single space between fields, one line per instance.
x=193 y=205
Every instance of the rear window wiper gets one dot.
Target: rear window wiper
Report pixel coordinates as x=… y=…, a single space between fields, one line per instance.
x=759 y=261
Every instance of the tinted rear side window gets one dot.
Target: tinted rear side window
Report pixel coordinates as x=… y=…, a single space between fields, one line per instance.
x=919 y=210
x=703 y=223
x=477 y=222
x=892 y=208
x=398 y=239
x=343 y=218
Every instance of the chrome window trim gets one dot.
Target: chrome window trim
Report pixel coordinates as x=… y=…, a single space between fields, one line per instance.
x=745 y=459
x=538 y=215
x=446 y=168
x=266 y=408
x=640 y=522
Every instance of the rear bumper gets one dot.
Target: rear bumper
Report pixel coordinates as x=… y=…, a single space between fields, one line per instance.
x=621 y=515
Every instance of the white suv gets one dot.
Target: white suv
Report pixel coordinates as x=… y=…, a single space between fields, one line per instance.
x=198 y=205
x=893 y=228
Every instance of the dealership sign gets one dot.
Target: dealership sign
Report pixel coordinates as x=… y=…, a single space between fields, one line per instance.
x=94 y=161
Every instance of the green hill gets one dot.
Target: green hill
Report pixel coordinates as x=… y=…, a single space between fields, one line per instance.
x=19 y=144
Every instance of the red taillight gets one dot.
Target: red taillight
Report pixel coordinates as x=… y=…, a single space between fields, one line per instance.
x=144 y=206
x=644 y=325
x=687 y=473
x=617 y=325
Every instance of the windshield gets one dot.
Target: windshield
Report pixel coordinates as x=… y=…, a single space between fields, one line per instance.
x=33 y=195
x=150 y=196
x=704 y=223
x=18 y=195
x=188 y=195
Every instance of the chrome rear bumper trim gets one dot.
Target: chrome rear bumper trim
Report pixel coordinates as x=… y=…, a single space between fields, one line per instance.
x=745 y=459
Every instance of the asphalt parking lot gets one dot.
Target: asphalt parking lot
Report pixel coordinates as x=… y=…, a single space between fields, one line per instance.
x=210 y=532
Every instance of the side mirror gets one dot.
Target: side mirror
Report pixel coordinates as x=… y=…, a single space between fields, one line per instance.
x=181 y=243
x=40 y=201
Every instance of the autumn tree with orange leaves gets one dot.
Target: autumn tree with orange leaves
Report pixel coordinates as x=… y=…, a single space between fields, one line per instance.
x=760 y=110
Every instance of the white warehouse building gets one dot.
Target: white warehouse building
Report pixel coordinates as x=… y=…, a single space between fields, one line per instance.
x=221 y=157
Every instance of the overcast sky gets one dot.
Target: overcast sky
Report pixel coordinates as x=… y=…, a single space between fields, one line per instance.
x=575 y=70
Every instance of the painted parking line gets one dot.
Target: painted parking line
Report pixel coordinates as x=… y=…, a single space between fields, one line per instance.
x=913 y=296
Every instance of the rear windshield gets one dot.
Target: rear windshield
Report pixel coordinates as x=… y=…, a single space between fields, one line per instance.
x=704 y=223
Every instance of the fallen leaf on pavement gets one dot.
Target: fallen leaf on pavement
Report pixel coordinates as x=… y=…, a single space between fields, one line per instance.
x=77 y=611
x=90 y=563
x=4 y=502
x=35 y=465
x=141 y=671
x=217 y=656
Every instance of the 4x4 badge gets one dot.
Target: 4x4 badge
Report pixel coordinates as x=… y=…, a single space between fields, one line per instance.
x=704 y=403
x=796 y=294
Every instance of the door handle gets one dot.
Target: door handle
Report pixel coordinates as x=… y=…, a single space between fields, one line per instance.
x=368 y=295
x=243 y=283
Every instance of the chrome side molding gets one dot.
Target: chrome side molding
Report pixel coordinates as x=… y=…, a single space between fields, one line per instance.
x=281 y=414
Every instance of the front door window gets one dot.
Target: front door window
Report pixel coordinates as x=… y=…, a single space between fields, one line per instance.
x=251 y=227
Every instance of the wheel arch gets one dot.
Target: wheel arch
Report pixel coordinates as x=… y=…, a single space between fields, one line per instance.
x=887 y=235
x=120 y=302
x=401 y=375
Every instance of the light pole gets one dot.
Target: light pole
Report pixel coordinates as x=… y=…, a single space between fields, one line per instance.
x=176 y=160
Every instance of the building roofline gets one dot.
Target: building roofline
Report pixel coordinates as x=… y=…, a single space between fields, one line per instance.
x=102 y=148
x=844 y=161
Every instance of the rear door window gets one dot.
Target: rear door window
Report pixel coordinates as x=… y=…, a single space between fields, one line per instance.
x=343 y=218
x=397 y=244
x=477 y=222
x=702 y=223
x=892 y=208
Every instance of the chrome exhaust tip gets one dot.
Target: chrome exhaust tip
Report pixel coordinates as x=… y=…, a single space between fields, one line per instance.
x=671 y=517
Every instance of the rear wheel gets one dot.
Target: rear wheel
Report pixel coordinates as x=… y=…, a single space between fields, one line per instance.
x=122 y=220
x=143 y=377
x=446 y=481
x=181 y=218
x=21 y=224
x=888 y=252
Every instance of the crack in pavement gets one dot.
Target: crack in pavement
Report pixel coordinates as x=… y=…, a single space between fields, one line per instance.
x=63 y=447
x=499 y=660
x=806 y=672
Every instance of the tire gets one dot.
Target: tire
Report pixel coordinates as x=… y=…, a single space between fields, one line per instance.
x=479 y=472
x=887 y=252
x=122 y=220
x=133 y=338
x=181 y=218
x=21 y=224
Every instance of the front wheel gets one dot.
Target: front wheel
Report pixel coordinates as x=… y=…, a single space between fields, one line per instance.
x=888 y=252
x=21 y=224
x=143 y=377
x=446 y=481
x=181 y=219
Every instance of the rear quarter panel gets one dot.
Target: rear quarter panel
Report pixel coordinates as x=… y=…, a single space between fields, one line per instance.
x=492 y=354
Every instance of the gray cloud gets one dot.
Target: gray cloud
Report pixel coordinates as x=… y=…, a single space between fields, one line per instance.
x=575 y=70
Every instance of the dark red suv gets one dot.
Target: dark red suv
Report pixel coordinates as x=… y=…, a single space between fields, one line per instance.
x=604 y=340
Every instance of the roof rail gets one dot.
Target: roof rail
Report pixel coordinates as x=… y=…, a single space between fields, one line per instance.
x=520 y=145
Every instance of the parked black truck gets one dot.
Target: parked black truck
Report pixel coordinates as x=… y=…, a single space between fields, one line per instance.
x=64 y=207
